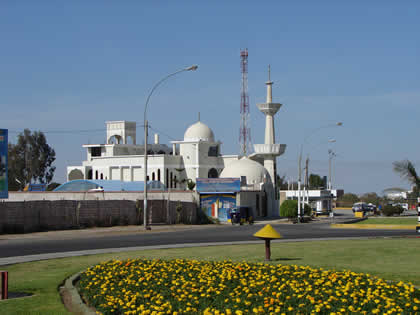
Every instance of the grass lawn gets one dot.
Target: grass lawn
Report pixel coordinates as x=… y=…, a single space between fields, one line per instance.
x=391 y=220
x=392 y=259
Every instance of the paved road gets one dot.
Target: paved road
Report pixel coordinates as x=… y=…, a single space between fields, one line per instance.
x=81 y=240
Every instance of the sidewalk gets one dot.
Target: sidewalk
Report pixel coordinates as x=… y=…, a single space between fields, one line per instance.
x=103 y=231
x=155 y=228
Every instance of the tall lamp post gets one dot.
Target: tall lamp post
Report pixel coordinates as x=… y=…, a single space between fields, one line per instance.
x=331 y=154
x=300 y=167
x=146 y=126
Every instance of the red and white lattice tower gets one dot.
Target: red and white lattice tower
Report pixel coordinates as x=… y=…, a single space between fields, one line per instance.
x=244 y=130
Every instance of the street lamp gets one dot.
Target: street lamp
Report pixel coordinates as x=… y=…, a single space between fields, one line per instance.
x=300 y=162
x=191 y=68
x=331 y=155
x=306 y=180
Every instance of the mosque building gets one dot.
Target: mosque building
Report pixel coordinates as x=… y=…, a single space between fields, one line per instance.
x=198 y=156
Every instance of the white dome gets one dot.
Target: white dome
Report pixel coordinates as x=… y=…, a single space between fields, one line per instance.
x=199 y=131
x=255 y=173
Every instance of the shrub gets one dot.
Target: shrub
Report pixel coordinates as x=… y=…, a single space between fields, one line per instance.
x=203 y=218
x=390 y=210
x=289 y=208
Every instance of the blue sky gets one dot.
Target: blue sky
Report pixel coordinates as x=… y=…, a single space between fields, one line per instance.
x=69 y=66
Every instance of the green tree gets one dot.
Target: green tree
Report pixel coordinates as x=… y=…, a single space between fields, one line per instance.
x=315 y=181
x=190 y=184
x=407 y=171
x=370 y=197
x=289 y=209
x=349 y=198
x=52 y=186
x=30 y=159
x=281 y=182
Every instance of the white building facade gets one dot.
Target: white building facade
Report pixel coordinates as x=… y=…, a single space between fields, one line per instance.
x=198 y=155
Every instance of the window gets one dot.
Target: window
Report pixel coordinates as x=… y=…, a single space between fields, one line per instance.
x=158 y=175
x=214 y=151
x=96 y=151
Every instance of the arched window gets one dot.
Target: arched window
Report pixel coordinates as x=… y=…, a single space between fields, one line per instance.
x=167 y=178
x=213 y=173
x=158 y=175
x=172 y=179
x=175 y=181
x=115 y=139
x=153 y=176
x=102 y=176
x=96 y=175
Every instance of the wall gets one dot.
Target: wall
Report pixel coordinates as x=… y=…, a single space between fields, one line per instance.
x=31 y=216
x=183 y=196
x=248 y=199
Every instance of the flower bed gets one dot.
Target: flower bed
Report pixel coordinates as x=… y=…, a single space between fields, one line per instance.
x=201 y=287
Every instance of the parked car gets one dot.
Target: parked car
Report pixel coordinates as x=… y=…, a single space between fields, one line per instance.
x=360 y=207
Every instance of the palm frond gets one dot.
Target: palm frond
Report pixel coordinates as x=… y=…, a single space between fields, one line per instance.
x=407 y=171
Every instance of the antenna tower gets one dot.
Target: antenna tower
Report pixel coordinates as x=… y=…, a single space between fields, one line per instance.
x=244 y=130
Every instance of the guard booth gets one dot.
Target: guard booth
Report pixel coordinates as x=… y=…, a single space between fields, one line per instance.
x=218 y=196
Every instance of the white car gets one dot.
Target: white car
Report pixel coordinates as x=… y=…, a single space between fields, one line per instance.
x=403 y=205
x=98 y=189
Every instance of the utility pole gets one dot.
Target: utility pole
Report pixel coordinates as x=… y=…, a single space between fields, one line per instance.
x=244 y=129
x=307 y=181
x=299 y=178
x=331 y=156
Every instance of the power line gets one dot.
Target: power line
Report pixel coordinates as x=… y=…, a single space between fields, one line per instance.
x=161 y=132
x=74 y=131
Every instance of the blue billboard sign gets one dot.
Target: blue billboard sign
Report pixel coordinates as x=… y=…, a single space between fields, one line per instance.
x=218 y=185
x=4 y=193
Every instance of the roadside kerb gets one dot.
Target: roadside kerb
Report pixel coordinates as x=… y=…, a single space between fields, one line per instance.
x=72 y=298
x=375 y=226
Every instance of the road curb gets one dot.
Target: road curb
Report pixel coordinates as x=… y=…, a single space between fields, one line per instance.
x=72 y=298
x=374 y=226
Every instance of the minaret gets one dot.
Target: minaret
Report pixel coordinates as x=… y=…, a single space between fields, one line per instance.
x=269 y=109
x=270 y=150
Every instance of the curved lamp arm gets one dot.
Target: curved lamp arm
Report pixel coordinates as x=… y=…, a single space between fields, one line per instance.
x=191 y=68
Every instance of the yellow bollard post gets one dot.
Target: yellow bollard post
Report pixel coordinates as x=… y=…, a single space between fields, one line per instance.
x=267 y=233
